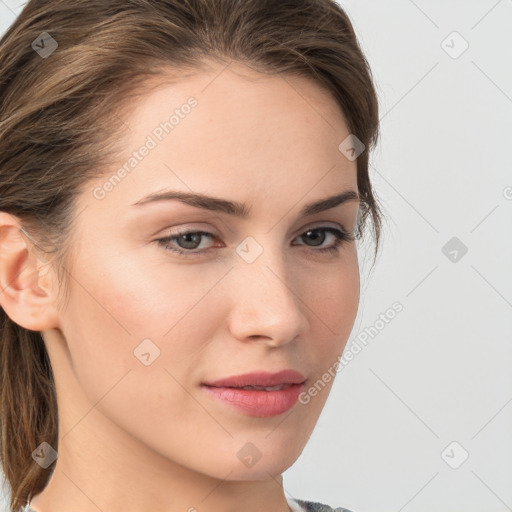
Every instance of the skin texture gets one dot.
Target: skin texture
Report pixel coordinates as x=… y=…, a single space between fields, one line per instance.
x=134 y=437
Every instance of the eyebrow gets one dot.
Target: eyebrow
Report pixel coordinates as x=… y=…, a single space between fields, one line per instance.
x=241 y=210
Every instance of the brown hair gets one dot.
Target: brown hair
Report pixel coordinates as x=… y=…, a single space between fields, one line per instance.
x=60 y=122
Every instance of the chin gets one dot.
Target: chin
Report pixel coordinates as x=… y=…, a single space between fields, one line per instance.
x=271 y=462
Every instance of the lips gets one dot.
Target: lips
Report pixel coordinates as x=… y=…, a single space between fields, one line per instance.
x=253 y=400
x=261 y=380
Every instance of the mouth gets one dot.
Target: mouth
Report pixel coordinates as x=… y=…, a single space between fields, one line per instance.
x=257 y=401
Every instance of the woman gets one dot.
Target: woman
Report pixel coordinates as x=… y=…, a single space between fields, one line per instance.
x=182 y=184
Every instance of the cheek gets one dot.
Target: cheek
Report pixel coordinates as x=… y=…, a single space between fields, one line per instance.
x=110 y=320
x=334 y=298
x=118 y=315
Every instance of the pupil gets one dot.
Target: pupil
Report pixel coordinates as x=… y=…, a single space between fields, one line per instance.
x=321 y=236
x=186 y=237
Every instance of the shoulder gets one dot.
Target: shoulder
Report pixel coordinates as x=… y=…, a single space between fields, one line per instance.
x=314 y=506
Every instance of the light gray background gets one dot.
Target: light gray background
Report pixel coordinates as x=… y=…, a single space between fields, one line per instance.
x=440 y=371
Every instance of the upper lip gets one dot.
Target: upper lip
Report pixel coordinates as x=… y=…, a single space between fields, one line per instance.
x=259 y=379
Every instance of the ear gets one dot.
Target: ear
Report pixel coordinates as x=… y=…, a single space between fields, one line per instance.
x=28 y=283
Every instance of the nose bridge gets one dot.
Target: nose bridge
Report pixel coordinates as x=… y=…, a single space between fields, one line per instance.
x=266 y=302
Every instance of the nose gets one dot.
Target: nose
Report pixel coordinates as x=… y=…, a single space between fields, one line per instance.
x=266 y=301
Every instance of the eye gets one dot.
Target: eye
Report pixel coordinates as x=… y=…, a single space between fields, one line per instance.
x=190 y=240
x=340 y=236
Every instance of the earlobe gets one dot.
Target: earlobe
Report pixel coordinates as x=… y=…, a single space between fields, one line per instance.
x=26 y=293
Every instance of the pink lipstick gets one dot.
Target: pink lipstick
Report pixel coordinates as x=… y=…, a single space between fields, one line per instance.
x=259 y=394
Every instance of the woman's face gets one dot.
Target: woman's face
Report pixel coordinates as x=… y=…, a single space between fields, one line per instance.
x=145 y=326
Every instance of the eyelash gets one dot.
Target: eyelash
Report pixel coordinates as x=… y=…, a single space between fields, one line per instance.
x=342 y=237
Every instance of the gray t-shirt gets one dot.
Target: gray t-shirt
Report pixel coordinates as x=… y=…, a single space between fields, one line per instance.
x=312 y=506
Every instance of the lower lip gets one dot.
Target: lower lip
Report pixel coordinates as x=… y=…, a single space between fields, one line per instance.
x=259 y=403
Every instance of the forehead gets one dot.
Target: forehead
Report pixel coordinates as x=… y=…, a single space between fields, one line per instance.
x=235 y=96
x=226 y=129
